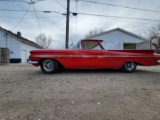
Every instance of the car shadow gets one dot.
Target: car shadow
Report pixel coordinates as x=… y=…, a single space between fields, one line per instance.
x=90 y=71
x=96 y=71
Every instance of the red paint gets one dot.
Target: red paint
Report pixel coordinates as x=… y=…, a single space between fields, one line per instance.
x=83 y=58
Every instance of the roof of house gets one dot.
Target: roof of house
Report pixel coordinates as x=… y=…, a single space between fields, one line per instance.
x=22 y=39
x=122 y=30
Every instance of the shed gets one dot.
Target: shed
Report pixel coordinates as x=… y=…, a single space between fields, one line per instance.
x=18 y=46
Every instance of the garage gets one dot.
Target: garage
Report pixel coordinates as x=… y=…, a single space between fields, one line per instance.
x=120 y=39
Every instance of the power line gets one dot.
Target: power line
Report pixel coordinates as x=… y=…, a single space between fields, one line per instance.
x=120 y=6
x=82 y=14
x=21 y=19
x=14 y=1
x=59 y=4
x=27 y=17
x=53 y=22
x=38 y=1
x=63 y=26
x=47 y=26
x=37 y=17
x=12 y=10
x=76 y=18
x=116 y=17
x=21 y=1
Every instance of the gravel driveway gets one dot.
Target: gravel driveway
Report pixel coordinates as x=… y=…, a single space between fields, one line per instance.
x=28 y=94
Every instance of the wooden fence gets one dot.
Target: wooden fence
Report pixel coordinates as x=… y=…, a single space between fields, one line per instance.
x=4 y=55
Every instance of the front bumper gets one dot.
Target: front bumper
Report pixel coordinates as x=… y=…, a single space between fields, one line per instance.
x=158 y=61
x=33 y=62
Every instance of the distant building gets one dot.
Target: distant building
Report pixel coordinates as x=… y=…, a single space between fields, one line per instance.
x=18 y=46
x=120 y=39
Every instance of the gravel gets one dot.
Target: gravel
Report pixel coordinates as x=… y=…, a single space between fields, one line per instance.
x=28 y=94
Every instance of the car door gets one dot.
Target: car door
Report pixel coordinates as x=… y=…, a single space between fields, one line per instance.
x=90 y=55
x=89 y=59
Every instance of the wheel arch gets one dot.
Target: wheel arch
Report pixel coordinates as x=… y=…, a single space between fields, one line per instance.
x=136 y=62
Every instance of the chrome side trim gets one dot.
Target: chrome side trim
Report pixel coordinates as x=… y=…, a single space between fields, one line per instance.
x=91 y=56
x=158 y=61
x=33 y=62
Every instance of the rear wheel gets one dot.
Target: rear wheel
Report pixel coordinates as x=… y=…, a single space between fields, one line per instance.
x=49 y=66
x=129 y=67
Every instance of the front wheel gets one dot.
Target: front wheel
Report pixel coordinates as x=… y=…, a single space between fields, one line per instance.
x=49 y=66
x=129 y=67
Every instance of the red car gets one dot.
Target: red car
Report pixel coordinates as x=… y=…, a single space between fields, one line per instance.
x=91 y=54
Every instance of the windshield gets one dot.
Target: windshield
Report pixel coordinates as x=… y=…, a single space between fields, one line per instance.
x=76 y=46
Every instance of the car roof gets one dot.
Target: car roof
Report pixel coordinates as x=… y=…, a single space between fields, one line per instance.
x=91 y=40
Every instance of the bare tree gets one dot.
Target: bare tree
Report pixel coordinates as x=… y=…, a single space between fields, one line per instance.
x=93 y=32
x=43 y=41
x=155 y=42
x=154 y=35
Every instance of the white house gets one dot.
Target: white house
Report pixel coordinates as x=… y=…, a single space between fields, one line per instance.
x=119 y=39
x=19 y=47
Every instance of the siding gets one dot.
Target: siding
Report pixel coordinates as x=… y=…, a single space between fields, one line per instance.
x=13 y=44
x=27 y=48
x=2 y=40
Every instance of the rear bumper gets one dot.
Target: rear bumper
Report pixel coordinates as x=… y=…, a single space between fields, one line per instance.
x=158 y=61
x=33 y=62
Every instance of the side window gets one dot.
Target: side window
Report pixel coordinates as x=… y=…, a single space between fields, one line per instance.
x=83 y=45
x=92 y=45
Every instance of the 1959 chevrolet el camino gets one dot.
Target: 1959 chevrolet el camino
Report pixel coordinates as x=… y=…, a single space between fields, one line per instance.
x=91 y=54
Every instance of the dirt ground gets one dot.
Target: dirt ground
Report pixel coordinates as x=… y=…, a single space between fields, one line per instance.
x=28 y=94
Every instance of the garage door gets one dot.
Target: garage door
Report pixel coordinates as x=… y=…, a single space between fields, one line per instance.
x=24 y=56
x=131 y=46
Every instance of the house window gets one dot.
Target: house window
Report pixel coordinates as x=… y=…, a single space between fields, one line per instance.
x=131 y=46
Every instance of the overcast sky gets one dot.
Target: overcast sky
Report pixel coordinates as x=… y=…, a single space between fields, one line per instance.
x=53 y=24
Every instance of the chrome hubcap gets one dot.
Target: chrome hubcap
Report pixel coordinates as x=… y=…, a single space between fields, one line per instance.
x=129 y=65
x=48 y=65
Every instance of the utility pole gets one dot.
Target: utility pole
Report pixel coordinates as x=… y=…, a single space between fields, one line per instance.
x=67 y=23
